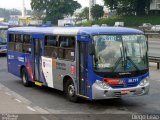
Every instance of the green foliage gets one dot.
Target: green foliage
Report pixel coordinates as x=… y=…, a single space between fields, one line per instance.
x=88 y=23
x=84 y=14
x=55 y=9
x=97 y=11
x=112 y=4
x=29 y=12
x=130 y=21
x=38 y=14
x=129 y=7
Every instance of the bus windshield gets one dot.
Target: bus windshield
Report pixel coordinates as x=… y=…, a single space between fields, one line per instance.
x=120 y=53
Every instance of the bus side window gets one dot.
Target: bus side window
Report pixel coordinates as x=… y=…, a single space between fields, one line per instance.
x=27 y=43
x=50 y=49
x=18 y=42
x=67 y=48
x=11 y=42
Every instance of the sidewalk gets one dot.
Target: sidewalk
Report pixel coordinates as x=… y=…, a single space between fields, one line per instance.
x=12 y=103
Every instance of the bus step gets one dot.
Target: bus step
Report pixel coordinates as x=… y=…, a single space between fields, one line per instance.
x=38 y=83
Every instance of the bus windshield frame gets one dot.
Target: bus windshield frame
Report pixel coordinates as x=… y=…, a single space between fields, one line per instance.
x=120 y=55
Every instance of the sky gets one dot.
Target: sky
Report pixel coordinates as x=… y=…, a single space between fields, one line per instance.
x=8 y=4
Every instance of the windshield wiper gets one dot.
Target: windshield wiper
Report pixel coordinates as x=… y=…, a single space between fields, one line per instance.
x=128 y=58
x=133 y=63
x=118 y=61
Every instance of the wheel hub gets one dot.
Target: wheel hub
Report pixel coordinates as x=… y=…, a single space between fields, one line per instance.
x=71 y=90
x=24 y=78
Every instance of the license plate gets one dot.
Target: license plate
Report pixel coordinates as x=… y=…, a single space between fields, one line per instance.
x=125 y=92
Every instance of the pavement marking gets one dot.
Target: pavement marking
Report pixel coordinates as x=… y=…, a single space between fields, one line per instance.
x=30 y=108
x=44 y=118
x=7 y=93
x=23 y=100
x=18 y=100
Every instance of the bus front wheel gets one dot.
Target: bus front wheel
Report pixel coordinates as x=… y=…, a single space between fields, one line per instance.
x=24 y=77
x=70 y=91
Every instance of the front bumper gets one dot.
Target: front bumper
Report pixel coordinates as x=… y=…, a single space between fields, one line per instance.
x=100 y=93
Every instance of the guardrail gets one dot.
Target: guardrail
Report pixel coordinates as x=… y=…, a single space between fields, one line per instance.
x=152 y=34
x=155 y=60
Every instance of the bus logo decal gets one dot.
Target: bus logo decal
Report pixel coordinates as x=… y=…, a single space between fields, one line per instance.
x=21 y=59
x=10 y=57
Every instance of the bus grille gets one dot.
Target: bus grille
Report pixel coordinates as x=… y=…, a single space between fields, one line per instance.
x=125 y=85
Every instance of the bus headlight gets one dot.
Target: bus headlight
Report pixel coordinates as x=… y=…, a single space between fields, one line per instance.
x=102 y=84
x=144 y=82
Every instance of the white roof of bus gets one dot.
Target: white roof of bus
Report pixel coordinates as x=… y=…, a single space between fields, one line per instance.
x=75 y=30
x=47 y=30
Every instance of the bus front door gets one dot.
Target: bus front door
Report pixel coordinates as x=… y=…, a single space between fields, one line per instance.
x=83 y=68
x=37 y=53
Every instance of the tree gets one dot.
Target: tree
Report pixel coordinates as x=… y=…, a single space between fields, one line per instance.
x=142 y=7
x=29 y=12
x=97 y=11
x=14 y=12
x=55 y=9
x=112 y=4
x=84 y=14
x=4 y=13
x=126 y=7
x=129 y=7
x=38 y=14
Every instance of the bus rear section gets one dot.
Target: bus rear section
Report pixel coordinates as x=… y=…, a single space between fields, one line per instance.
x=92 y=63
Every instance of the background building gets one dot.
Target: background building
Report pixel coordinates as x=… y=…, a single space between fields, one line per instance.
x=155 y=5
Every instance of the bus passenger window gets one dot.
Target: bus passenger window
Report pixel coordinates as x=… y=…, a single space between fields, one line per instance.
x=50 y=49
x=67 y=48
x=11 y=42
x=27 y=43
x=18 y=44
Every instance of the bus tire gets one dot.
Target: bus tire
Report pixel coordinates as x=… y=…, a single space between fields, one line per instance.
x=70 y=91
x=24 y=77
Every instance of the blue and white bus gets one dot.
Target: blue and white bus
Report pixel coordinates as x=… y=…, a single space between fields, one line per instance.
x=89 y=62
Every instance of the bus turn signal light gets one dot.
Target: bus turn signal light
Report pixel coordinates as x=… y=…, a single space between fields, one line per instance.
x=111 y=81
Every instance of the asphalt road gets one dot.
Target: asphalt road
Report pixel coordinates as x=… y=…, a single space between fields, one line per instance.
x=55 y=102
x=154 y=47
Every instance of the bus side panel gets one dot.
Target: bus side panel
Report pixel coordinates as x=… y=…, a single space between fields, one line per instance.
x=15 y=61
x=29 y=67
x=46 y=73
x=91 y=76
x=54 y=71
x=12 y=68
x=61 y=69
